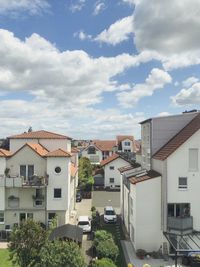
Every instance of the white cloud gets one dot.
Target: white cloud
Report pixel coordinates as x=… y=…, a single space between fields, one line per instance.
x=172 y=32
x=163 y=114
x=157 y=79
x=189 y=81
x=62 y=87
x=118 y=32
x=77 y=5
x=189 y=96
x=14 y=6
x=99 y=7
x=82 y=35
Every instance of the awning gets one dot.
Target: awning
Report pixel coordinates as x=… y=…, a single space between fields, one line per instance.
x=67 y=232
x=184 y=243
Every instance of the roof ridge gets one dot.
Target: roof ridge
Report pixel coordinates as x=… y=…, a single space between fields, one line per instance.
x=197 y=117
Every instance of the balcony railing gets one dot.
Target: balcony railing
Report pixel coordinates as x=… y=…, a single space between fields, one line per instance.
x=180 y=224
x=16 y=181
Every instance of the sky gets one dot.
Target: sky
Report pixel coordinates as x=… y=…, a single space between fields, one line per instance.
x=96 y=68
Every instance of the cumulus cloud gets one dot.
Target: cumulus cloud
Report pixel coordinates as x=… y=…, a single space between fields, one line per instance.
x=98 y=7
x=33 y=7
x=189 y=81
x=118 y=32
x=163 y=114
x=172 y=32
x=62 y=88
x=157 y=79
x=190 y=96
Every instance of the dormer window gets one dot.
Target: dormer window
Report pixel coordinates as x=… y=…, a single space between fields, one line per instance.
x=127 y=143
x=91 y=150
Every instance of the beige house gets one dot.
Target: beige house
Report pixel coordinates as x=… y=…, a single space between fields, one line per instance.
x=38 y=177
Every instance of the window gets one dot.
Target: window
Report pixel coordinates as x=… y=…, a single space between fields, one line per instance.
x=179 y=210
x=57 y=192
x=1 y=217
x=27 y=171
x=39 y=198
x=51 y=215
x=112 y=180
x=182 y=183
x=127 y=143
x=112 y=167
x=193 y=159
x=127 y=150
x=25 y=216
x=57 y=170
x=91 y=150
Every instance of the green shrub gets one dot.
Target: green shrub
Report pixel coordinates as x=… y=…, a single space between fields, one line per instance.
x=107 y=249
x=93 y=209
x=102 y=235
x=104 y=262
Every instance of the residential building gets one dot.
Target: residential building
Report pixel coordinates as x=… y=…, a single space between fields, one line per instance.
x=111 y=166
x=37 y=179
x=98 y=150
x=160 y=206
x=155 y=132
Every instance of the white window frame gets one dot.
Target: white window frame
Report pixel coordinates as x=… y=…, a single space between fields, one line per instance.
x=190 y=160
x=127 y=143
x=183 y=187
x=2 y=213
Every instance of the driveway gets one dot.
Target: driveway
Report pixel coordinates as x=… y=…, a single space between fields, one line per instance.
x=100 y=199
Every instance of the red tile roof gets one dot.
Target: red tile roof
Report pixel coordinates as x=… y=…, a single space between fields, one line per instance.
x=104 y=145
x=4 y=153
x=121 y=138
x=58 y=153
x=192 y=127
x=74 y=150
x=109 y=159
x=74 y=170
x=129 y=167
x=38 y=148
x=149 y=175
x=39 y=135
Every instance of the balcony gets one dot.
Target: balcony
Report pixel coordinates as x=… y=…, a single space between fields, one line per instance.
x=16 y=181
x=180 y=224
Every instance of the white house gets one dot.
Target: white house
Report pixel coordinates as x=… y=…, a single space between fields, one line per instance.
x=111 y=166
x=163 y=203
x=125 y=143
x=37 y=179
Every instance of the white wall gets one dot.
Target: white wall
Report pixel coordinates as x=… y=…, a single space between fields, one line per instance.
x=98 y=154
x=61 y=180
x=124 y=147
x=148 y=234
x=2 y=198
x=2 y=165
x=178 y=166
x=49 y=144
x=26 y=156
x=126 y=208
x=108 y=173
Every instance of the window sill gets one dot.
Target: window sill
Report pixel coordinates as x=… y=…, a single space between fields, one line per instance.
x=183 y=189
x=2 y=222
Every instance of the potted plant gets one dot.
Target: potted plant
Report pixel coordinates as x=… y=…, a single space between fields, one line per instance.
x=141 y=253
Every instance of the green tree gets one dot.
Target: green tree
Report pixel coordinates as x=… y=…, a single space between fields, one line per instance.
x=26 y=242
x=85 y=174
x=104 y=262
x=61 y=254
x=107 y=249
x=102 y=235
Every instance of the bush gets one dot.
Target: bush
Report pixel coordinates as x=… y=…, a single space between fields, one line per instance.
x=102 y=235
x=93 y=208
x=104 y=262
x=107 y=249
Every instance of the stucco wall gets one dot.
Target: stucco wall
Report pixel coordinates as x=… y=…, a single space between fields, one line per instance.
x=26 y=156
x=148 y=234
x=117 y=163
x=178 y=166
x=61 y=180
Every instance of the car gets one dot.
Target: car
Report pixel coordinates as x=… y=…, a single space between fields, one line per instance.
x=84 y=222
x=78 y=197
x=109 y=215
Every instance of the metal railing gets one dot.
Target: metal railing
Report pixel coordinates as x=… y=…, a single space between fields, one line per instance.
x=180 y=223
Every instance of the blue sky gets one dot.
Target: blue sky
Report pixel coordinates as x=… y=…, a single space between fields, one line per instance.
x=96 y=68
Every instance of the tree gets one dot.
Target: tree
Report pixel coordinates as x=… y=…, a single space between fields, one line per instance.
x=26 y=242
x=30 y=129
x=102 y=235
x=61 y=254
x=107 y=249
x=104 y=262
x=85 y=174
